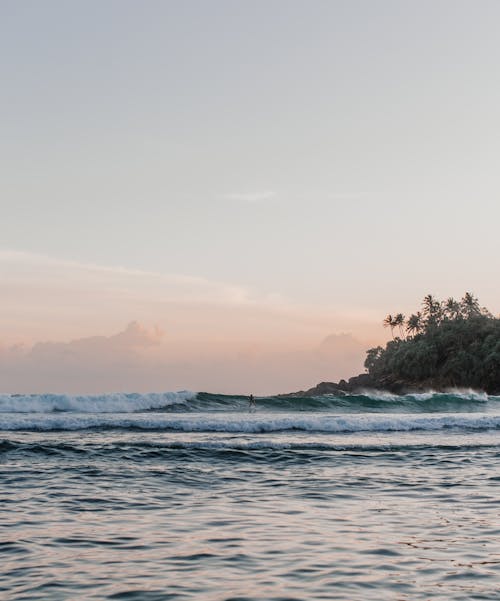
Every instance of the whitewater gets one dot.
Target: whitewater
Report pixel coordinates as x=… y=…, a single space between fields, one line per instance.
x=182 y=495
x=202 y=412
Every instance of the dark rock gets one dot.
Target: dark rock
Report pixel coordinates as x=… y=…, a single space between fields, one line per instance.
x=361 y=381
x=356 y=383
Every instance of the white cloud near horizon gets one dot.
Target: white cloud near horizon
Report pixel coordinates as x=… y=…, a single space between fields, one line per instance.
x=132 y=361
x=208 y=334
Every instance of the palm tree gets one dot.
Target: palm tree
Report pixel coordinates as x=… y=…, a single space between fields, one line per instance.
x=414 y=323
x=428 y=304
x=399 y=321
x=389 y=323
x=431 y=310
x=451 y=308
x=470 y=305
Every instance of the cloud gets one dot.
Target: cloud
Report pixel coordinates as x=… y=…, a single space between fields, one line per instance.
x=46 y=297
x=133 y=360
x=250 y=196
x=219 y=336
x=339 y=346
x=135 y=336
x=17 y=267
x=51 y=298
x=121 y=362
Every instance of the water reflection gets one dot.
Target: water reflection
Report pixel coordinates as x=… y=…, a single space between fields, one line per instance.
x=122 y=515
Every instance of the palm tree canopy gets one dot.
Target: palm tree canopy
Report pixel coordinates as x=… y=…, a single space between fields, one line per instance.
x=389 y=321
x=399 y=319
x=414 y=323
x=452 y=344
x=470 y=305
x=452 y=308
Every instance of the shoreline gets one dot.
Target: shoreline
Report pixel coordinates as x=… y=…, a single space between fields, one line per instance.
x=363 y=383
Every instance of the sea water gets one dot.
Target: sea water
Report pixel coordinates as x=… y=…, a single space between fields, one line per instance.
x=198 y=496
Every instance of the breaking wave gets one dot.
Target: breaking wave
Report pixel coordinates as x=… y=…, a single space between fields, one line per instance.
x=103 y=403
x=186 y=401
x=251 y=423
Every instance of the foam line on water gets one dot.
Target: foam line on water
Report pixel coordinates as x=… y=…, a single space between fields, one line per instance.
x=251 y=423
x=138 y=450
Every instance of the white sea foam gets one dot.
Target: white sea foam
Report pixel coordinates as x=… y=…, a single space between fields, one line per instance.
x=105 y=403
x=468 y=394
x=252 y=423
x=339 y=445
x=136 y=402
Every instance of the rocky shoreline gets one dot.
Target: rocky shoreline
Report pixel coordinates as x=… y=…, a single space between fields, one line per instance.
x=354 y=384
x=364 y=382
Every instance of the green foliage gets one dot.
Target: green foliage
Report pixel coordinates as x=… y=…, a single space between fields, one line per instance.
x=448 y=344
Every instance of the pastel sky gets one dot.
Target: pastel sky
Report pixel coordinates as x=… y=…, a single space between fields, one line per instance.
x=231 y=195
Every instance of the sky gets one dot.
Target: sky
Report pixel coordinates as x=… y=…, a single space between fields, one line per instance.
x=230 y=196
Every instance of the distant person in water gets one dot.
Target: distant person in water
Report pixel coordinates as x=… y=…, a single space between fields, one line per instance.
x=251 y=402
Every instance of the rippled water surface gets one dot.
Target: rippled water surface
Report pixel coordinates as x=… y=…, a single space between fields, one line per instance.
x=223 y=515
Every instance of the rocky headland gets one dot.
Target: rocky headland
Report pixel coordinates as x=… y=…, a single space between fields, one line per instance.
x=448 y=345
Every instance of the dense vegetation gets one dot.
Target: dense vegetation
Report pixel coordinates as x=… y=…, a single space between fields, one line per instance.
x=446 y=344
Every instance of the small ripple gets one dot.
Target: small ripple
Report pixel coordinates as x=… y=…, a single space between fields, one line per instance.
x=139 y=594
x=10 y=547
x=383 y=551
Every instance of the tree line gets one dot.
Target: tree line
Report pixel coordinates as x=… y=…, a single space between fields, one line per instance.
x=445 y=344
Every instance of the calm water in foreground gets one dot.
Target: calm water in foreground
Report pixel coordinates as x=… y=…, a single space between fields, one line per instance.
x=353 y=498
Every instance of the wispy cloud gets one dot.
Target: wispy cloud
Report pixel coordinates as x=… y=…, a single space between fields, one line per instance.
x=42 y=271
x=250 y=196
x=52 y=299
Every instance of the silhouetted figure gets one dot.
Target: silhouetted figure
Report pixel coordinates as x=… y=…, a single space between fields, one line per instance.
x=251 y=403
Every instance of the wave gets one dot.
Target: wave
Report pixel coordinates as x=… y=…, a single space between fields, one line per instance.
x=251 y=423
x=382 y=402
x=144 y=449
x=186 y=401
x=104 y=403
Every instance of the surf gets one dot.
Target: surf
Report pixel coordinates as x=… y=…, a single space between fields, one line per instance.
x=250 y=423
x=186 y=401
x=102 y=403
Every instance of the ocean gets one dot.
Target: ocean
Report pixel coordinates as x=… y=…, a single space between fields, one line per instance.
x=198 y=496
